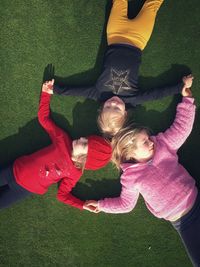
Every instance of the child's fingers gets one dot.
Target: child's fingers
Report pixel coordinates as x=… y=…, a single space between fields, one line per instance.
x=97 y=210
x=92 y=209
x=91 y=203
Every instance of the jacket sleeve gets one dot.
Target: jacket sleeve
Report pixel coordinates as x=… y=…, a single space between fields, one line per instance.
x=65 y=196
x=157 y=93
x=45 y=120
x=85 y=91
x=181 y=128
x=122 y=204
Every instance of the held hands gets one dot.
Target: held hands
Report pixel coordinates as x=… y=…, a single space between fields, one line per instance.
x=47 y=87
x=91 y=205
x=187 y=80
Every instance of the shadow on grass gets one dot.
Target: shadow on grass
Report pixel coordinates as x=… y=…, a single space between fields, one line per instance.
x=87 y=77
x=29 y=139
x=99 y=189
x=171 y=76
x=85 y=119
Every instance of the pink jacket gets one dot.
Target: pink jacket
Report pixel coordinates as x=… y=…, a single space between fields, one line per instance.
x=167 y=188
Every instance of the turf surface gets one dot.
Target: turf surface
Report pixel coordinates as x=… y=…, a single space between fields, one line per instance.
x=70 y=35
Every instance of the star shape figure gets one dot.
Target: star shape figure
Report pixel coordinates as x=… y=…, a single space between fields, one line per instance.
x=118 y=81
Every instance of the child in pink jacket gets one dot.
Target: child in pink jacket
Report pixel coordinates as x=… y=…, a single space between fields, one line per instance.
x=151 y=168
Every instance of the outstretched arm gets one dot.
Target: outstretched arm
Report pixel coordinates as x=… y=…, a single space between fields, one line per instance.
x=85 y=91
x=122 y=204
x=176 y=135
x=44 y=112
x=65 y=196
x=158 y=93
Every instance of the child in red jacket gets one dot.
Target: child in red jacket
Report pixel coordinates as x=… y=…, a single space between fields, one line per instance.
x=64 y=160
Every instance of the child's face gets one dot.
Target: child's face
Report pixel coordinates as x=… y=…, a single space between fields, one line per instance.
x=144 y=147
x=114 y=105
x=80 y=146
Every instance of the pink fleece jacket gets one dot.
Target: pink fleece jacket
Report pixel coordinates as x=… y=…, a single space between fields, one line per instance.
x=167 y=188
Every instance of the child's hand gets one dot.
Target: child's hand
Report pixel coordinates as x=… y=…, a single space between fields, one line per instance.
x=47 y=87
x=186 y=92
x=188 y=80
x=91 y=205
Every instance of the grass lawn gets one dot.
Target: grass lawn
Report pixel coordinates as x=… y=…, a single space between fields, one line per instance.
x=70 y=34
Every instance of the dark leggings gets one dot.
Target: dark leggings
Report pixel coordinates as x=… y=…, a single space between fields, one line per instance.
x=188 y=228
x=10 y=191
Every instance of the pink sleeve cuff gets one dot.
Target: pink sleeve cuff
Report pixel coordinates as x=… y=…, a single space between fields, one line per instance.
x=99 y=205
x=187 y=99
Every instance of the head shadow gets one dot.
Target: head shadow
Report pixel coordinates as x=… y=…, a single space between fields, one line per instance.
x=85 y=118
x=29 y=139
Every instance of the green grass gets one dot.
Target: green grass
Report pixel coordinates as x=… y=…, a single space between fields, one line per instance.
x=70 y=34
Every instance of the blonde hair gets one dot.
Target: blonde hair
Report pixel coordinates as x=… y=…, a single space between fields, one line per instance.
x=124 y=143
x=110 y=124
x=79 y=161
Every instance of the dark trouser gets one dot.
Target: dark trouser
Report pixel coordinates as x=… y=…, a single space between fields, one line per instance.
x=10 y=191
x=188 y=228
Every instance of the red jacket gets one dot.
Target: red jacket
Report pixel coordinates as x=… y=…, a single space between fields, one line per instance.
x=36 y=172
